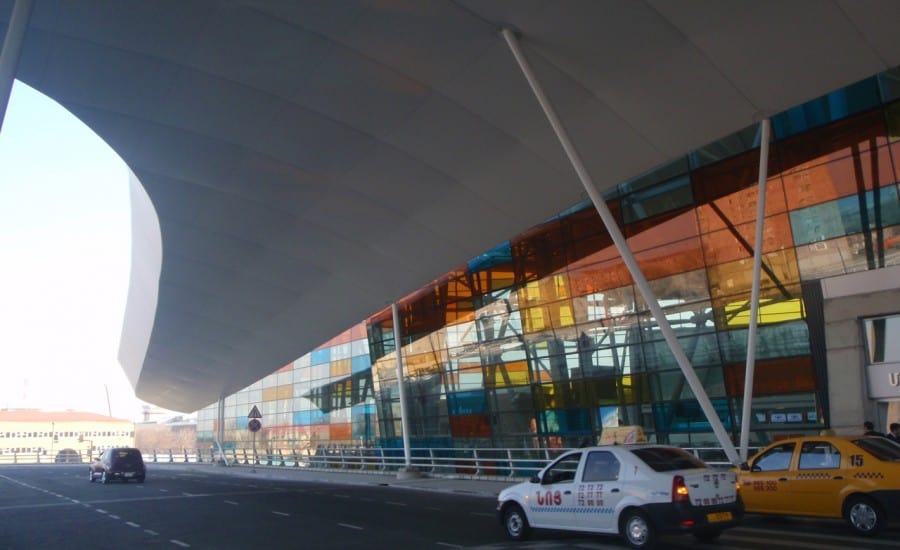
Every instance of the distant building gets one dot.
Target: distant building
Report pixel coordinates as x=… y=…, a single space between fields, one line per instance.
x=176 y=434
x=67 y=436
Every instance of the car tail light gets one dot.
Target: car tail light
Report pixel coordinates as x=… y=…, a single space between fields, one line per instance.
x=679 y=490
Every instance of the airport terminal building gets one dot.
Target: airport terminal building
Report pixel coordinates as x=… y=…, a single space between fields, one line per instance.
x=544 y=340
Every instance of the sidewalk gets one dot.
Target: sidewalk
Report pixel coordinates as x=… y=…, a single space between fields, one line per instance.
x=428 y=482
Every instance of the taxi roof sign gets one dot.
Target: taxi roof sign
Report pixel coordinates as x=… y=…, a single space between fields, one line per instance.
x=622 y=434
x=254 y=413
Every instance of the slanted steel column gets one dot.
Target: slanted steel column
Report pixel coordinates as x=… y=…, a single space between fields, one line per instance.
x=12 y=46
x=754 y=293
x=622 y=245
x=404 y=423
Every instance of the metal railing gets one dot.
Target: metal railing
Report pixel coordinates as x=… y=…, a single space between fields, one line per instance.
x=505 y=463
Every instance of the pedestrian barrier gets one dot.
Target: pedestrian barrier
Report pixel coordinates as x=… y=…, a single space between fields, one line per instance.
x=483 y=462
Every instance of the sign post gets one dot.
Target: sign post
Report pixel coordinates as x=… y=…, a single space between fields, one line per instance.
x=254 y=425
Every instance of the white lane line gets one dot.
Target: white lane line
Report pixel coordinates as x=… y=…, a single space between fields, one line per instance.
x=341 y=496
x=349 y=526
x=131 y=523
x=277 y=513
x=102 y=511
x=393 y=503
x=439 y=543
x=150 y=532
x=367 y=499
x=177 y=542
x=164 y=490
x=233 y=503
x=113 y=516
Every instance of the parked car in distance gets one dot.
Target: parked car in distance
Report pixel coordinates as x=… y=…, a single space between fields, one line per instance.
x=636 y=491
x=122 y=463
x=855 y=478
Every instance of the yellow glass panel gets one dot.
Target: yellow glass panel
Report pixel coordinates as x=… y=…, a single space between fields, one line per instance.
x=270 y=394
x=534 y=320
x=513 y=373
x=770 y=311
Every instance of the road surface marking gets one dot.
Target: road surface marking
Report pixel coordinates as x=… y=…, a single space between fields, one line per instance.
x=349 y=526
x=179 y=543
x=233 y=503
x=277 y=513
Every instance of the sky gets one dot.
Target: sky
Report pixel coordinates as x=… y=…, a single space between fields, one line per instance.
x=65 y=240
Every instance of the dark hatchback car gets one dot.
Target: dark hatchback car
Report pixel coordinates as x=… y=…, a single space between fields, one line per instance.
x=122 y=463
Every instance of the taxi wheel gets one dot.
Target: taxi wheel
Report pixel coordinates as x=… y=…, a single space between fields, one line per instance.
x=636 y=529
x=864 y=516
x=516 y=523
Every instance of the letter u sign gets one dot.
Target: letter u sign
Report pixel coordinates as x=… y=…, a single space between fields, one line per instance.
x=894 y=378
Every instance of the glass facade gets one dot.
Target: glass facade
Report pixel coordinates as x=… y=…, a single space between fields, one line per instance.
x=545 y=340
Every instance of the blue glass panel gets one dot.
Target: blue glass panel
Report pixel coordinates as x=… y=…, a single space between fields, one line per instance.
x=466 y=402
x=241 y=422
x=307 y=418
x=772 y=341
x=360 y=363
x=319 y=356
x=687 y=416
x=564 y=421
x=889 y=84
x=831 y=107
x=842 y=217
x=500 y=255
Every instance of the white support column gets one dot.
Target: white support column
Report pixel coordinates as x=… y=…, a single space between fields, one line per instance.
x=754 y=293
x=622 y=245
x=404 y=424
x=12 y=46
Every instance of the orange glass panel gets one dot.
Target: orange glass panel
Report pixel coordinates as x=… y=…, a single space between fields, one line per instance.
x=340 y=432
x=270 y=394
x=790 y=375
x=811 y=185
x=675 y=257
x=740 y=207
x=654 y=232
x=723 y=246
x=470 y=425
x=284 y=392
x=731 y=175
x=340 y=367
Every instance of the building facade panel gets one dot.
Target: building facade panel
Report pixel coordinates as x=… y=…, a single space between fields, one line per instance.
x=544 y=340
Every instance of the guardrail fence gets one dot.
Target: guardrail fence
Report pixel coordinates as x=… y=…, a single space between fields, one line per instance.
x=506 y=463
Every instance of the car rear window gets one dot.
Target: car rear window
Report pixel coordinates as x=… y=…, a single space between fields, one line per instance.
x=881 y=447
x=127 y=456
x=666 y=459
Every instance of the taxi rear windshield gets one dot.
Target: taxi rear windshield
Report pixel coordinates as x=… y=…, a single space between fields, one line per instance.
x=666 y=459
x=881 y=447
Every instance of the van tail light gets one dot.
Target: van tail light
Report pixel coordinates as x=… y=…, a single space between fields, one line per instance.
x=679 y=490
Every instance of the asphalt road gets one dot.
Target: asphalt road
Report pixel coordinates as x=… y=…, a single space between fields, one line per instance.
x=54 y=506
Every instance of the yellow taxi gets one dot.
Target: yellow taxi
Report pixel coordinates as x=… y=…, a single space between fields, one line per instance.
x=855 y=478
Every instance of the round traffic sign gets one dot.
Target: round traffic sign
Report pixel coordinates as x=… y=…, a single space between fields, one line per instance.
x=254 y=425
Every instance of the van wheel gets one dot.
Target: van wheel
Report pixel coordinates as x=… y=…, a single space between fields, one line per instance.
x=516 y=523
x=864 y=516
x=636 y=529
